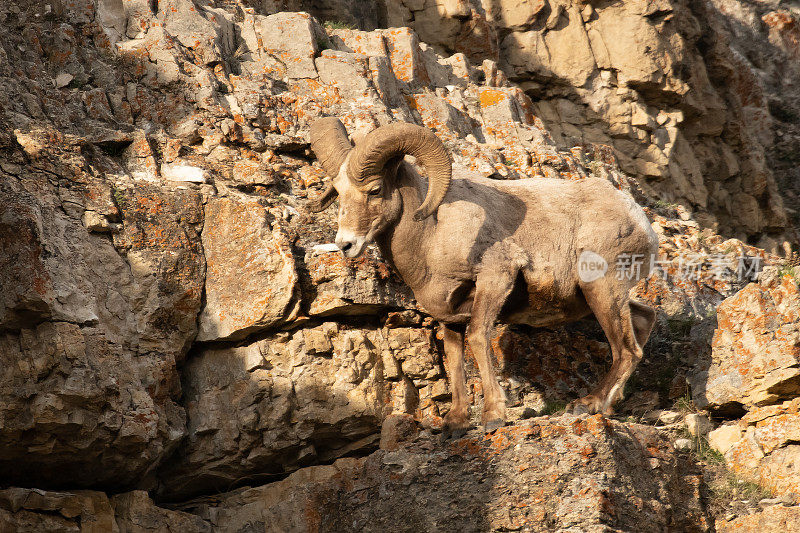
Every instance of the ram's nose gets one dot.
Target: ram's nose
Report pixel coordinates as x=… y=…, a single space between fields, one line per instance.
x=351 y=245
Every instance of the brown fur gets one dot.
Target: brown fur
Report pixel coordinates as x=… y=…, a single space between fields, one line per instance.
x=506 y=250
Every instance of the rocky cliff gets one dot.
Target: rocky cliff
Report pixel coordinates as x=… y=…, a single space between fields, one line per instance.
x=175 y=326
x=697 y=99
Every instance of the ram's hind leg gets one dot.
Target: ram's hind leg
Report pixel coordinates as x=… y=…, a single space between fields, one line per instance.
x=627 y=325
x=456 y=420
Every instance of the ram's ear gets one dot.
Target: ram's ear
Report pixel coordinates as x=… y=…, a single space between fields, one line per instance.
x=393 y=166
x=322 y=201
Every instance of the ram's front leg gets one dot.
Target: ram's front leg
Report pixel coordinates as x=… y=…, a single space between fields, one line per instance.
x=456 y=421
x=491 y=290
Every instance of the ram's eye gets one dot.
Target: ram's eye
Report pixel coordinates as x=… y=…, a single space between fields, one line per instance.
x=374 y=192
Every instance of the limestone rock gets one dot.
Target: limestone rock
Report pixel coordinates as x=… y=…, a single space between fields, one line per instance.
x=352 y=287
x=30 y=510
x=762 y=446
x=439 y=115
x=404 y=53
x=135 y=512
x=33 y=510
x=291 y=38
x=557 y=364
x=97 y=105
x=396 y=429
x=570 y=460
x=756 y=348
x=698 y=425
x=517 y=15
x=92 y=330
x=773 y=519
x=286 y=401
x=109 y=265
x=251 y=282
x=206 y=31
x=161 y=241
x=725 y=437
x=647 y=54
x=347 y=71
x=182 y=172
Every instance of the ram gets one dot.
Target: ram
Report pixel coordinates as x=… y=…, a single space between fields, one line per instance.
x=476 y=251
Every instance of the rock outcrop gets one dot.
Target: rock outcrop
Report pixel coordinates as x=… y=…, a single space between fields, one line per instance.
x=157 y=200
x=173 y=320
x=754 y=370
x=683 y=91
x=773 y=518
x=34 y=510
x=756 y=348
x=538 y=475
x=89 y=338
x=762 y=446
x=753 y=374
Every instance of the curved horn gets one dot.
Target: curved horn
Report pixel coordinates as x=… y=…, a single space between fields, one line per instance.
x=330 y=144
x=392 y=140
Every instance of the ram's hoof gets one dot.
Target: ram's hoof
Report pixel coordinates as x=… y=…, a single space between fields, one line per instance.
x=453 y=432
x=578 y=409
x=493 y=425
x=588 y=405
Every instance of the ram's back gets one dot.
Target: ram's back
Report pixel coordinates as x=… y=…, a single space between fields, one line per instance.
x=545 y=223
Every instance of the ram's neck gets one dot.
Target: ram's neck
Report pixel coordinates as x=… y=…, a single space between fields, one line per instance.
x=405 y=243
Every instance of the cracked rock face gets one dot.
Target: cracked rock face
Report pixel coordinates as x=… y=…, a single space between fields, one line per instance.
x=538 y=475
x=251 y=280
x=754 y=369
x=756 y=348
x=173 y=319
x=662 y=82
x=90 y=338
x=762 y=446
x=289 y=400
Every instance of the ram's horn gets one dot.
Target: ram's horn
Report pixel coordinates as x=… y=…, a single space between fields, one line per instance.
x=387 y=142
x=330 y=144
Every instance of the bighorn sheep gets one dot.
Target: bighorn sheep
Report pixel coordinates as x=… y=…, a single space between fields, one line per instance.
x=477 y=250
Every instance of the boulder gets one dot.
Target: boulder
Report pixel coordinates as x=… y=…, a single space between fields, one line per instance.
x=402 y=45
x=756 y=348
x=251 y=281
x=439 y=115
x=347 y=71
x=208 y=32
x=291 y=38
x=762 y=446
x=343 y=286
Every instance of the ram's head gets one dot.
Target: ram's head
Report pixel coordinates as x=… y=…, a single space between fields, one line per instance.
x=365 y=177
